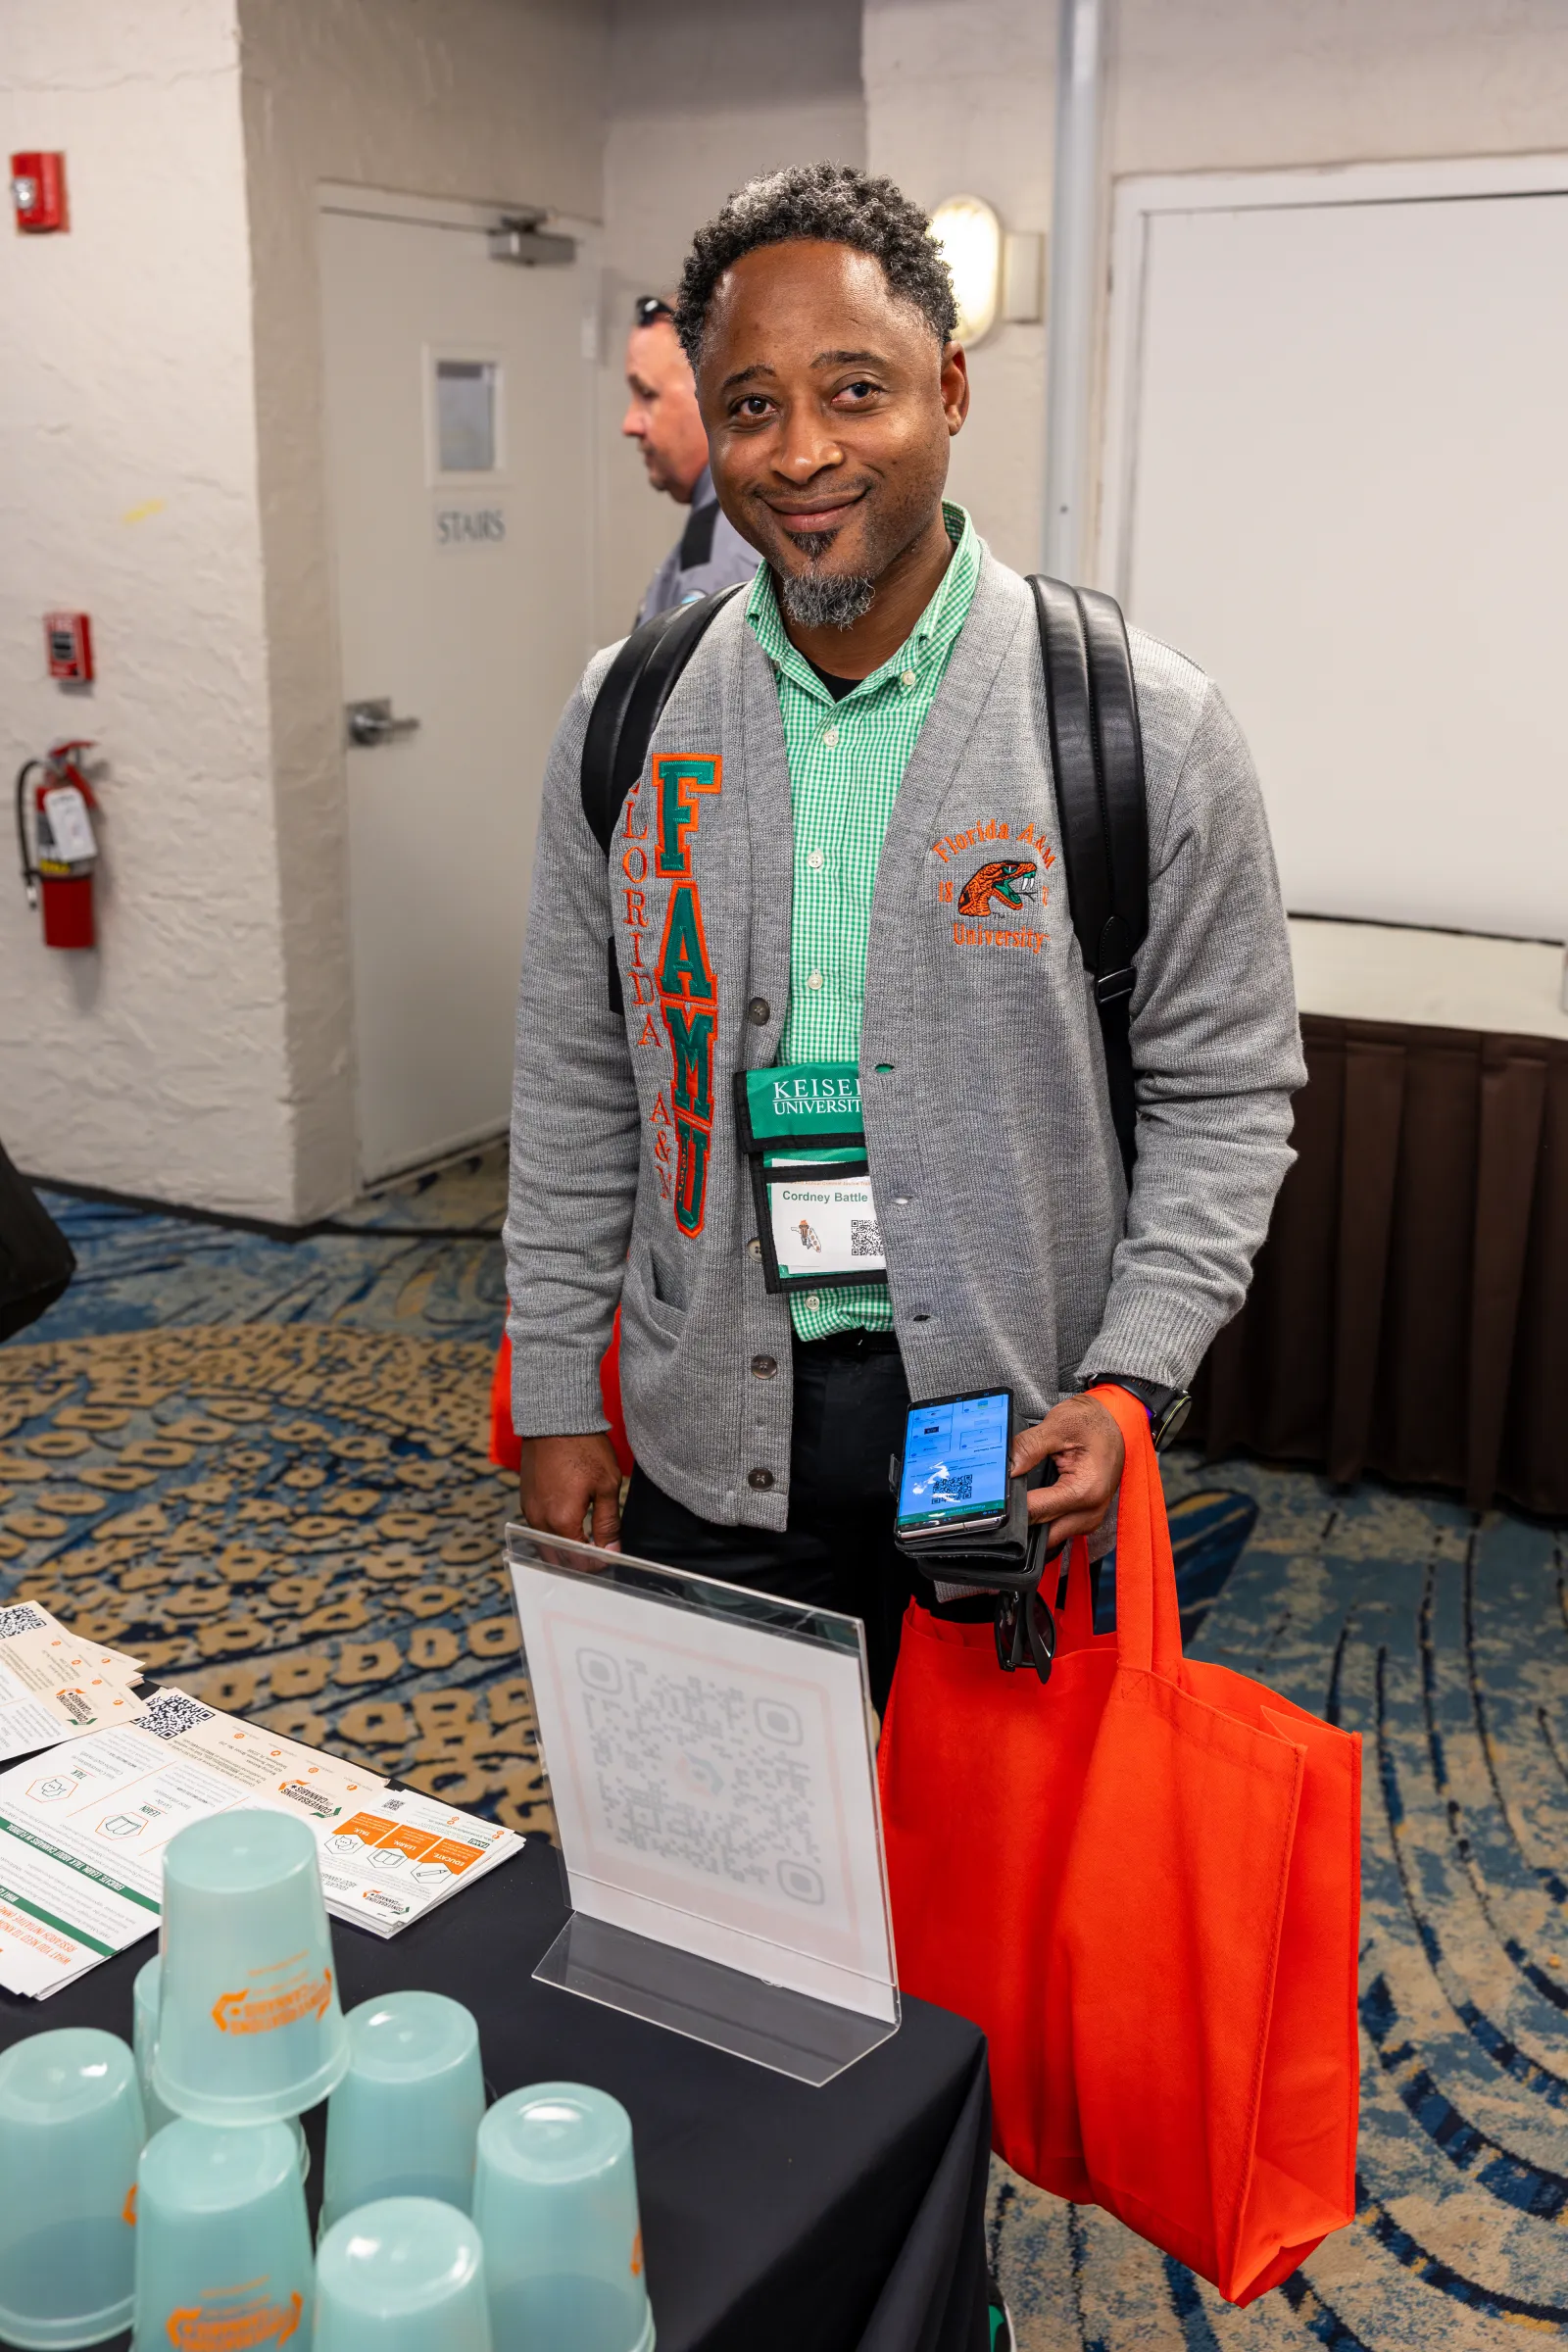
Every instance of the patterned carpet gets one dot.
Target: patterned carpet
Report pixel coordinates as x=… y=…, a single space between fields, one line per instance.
x=260 y=1466
x=261 y=1463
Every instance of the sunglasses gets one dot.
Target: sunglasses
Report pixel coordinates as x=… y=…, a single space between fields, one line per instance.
x=649 y=307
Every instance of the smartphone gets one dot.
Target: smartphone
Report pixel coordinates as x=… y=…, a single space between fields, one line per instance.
x=955 y=1474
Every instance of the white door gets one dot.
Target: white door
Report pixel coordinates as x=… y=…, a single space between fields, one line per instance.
x=459 y=421
x=1338 y=484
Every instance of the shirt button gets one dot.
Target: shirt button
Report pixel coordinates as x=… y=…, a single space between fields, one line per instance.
x=907 y=678
x=762 y=1480
x=830 y=736
x=813 y=1301
x=759 y=1012
x=814 y=979
x=814 y=860
x=764 y=1366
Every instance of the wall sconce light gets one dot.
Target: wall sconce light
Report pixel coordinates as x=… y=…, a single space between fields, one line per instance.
x=970 y=235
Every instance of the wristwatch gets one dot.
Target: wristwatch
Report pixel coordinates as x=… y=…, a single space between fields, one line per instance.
x=1167 y=1408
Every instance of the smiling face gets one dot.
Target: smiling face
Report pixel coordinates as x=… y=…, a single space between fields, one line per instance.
x=829 y=406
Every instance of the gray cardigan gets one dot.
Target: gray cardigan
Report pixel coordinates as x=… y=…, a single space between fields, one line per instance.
x=1015 y=1256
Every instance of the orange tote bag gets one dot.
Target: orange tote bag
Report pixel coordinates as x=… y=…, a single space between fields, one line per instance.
x=1142 y=1880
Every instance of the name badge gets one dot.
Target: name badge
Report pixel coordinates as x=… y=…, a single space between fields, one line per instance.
x=816 y=1219
x=822 y=1223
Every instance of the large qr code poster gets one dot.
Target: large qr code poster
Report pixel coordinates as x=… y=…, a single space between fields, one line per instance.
x=713 y=1786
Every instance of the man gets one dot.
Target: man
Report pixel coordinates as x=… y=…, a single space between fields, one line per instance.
x=664 y=419
x=828 y=785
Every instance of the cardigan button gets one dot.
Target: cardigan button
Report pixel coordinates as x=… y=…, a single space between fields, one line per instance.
x=764 y=1366
x=762 y=1480
x=759 y=1012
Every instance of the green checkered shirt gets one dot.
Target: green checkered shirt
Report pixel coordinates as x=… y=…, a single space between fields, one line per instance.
x=847 y=761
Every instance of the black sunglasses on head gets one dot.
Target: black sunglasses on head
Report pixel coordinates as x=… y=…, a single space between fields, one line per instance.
x=649 y=307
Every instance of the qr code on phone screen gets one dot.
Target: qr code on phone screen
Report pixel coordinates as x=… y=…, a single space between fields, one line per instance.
x=865 y=1238
x=959 y=1488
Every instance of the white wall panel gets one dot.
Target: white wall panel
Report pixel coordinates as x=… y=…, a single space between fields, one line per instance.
x=1348 y=498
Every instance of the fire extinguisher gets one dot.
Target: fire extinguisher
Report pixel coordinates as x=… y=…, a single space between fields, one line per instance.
x=60 y=867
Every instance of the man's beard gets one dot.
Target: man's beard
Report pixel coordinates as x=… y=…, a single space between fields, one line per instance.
x=825 y=600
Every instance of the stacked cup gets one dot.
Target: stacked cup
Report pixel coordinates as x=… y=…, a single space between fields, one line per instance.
x=249 y=2033
x=201 y=2233
x=556 y=2203
x=71 y=2131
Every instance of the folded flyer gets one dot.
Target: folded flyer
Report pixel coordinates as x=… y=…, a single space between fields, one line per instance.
x=82 y=1831
x=53 y=1685
x=403 y=1853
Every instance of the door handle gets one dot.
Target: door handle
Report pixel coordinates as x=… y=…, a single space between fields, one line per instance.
x=373 y=722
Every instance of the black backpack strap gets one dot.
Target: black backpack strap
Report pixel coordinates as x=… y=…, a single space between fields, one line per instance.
x=626 y=710
x=631 y=698
x=1097 y=753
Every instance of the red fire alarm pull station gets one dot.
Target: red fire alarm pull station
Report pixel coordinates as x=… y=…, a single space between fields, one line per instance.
x=68 y=638
x=38 y=192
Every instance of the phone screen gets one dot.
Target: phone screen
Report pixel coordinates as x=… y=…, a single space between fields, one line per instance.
x=954 y=1462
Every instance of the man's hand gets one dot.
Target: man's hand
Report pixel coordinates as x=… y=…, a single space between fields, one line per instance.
x=564 y=1479
x=1089 y=1454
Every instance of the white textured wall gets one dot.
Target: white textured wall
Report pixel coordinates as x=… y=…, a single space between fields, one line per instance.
x=702 y=95
x=957 y=102
x=491 y=100
x=127 y=489
x=962 y=97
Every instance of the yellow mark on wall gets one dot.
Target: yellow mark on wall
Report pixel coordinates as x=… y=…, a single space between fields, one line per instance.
x=149 y=506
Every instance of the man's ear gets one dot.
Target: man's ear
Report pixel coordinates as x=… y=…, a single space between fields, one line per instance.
x=954 y=386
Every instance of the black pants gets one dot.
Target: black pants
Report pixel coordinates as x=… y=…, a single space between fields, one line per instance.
x=837 y=1552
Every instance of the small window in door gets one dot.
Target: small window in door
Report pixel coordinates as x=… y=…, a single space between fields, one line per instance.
x=466 y=398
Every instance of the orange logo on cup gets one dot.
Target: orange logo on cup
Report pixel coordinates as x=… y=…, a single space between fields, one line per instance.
x=224 y=2328
x=637 y=2255
x=127 y=2211
x=262 y=2012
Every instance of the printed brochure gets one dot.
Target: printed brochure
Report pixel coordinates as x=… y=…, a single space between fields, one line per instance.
x=82 y=1831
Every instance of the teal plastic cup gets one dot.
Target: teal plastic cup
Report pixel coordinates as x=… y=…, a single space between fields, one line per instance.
x=71 y=2132
x=144 y=2041
x=405 y=2119
x=222 y=2244
x=403 y=2275
x=555 y=2197
x=249 y=2026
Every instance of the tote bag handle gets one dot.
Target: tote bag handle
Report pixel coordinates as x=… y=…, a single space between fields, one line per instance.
x=1148 y=1626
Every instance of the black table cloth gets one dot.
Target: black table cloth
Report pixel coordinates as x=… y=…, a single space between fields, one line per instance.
x=774 y=2217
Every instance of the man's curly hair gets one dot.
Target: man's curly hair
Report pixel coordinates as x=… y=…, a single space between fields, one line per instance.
x=828 y=203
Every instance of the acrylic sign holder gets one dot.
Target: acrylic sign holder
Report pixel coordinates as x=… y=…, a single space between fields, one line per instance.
x=710 y=1761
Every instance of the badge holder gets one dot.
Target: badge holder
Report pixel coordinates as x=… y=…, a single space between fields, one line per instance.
x=816 y=1221
x=710 y=1764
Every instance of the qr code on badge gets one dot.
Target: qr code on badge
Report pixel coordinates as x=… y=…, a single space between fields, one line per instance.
x=21 y=1620
x=959 y=1488
x=865 y=1238
x=170 y=1712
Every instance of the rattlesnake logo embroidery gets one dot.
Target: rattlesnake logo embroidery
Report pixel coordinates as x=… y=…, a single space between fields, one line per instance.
x=1009 y=880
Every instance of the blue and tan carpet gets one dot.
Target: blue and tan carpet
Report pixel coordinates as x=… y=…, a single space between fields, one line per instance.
x=262 y=1465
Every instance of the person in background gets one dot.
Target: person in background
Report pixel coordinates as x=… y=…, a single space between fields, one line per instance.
x=663 y=418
